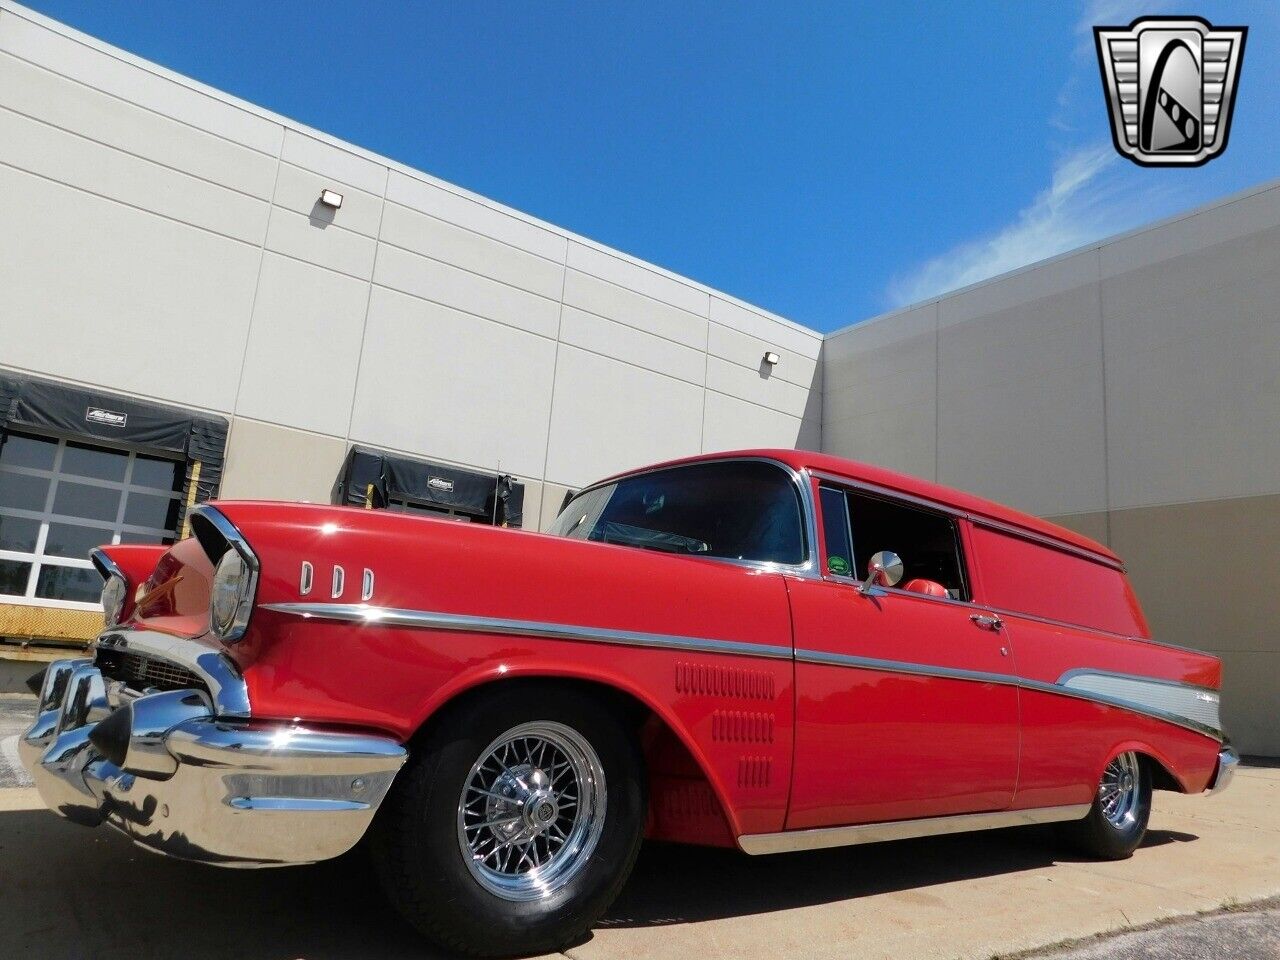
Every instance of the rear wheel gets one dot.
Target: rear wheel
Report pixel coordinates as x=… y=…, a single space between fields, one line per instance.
x=516 y=824
x=1117 y=821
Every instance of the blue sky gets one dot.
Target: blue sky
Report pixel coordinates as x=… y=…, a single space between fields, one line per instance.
x=826 y=161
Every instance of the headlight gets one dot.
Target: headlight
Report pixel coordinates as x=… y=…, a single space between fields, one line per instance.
x=230 y=599
x=114 y=590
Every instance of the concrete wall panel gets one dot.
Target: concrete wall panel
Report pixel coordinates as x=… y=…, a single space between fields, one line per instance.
x=443 y=241
x=552 y=496
x=733 y=424
x=343 y=166
x=1168 y=549
x=748 y=351
x=49 y=152
x=1193 y=375
x=463 y=290
x=606 y=299
x=299 y=190
x=304 y=346
x=96 y=291
x=639 y=279
x=76 y=108
x=324 y=244
x=487 y=220
x=610 y=339
x=899 y=436
x=765 y=390
x=1020 y=406
x=766 y=328
x=119 y=74
x=452 y=386
x=648 y=417
x=883 y=365
x=269 y=462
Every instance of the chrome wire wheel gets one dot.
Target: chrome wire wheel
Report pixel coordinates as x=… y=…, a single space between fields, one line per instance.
x=1120 y=791
x=531 y=810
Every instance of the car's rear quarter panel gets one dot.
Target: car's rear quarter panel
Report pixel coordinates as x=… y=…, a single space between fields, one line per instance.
x=1066 y=740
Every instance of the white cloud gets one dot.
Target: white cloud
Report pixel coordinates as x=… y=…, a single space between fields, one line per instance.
x=1083 y=202
x=1091 y=193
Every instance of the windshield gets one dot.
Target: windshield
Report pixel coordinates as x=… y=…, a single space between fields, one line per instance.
x=735 y=509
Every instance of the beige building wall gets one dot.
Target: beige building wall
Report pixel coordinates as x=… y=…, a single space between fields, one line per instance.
x=165 y=240
x=1130 y=391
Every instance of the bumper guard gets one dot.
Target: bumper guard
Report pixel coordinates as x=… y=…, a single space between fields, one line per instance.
x=163 y=769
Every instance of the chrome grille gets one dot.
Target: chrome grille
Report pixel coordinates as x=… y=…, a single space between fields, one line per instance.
x=141 y=672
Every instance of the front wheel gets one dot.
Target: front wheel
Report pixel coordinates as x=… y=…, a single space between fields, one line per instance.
x=516 y=824
x=1117 y=821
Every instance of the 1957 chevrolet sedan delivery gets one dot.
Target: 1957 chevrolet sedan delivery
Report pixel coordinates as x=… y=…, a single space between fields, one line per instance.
x=772 y=649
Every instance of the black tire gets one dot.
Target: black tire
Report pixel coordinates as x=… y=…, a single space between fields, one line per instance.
x=1115 y=838
x=415 y=838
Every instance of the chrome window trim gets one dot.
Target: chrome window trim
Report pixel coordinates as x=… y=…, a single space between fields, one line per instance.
x=808 y=514
x=235 y=539
x=790 y=841
x=976 y=518
x=465 y=623
x=1014 y=531
x=962 y=556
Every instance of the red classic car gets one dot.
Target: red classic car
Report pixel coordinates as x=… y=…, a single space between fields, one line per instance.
x=771 y=650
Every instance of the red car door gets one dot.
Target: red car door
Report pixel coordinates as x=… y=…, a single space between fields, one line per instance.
x=900 y=712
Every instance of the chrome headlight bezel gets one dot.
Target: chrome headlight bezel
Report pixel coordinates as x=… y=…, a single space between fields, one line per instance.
x=231 y=593
x=115 y=590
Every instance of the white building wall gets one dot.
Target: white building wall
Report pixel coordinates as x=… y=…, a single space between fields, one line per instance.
x=165 y=240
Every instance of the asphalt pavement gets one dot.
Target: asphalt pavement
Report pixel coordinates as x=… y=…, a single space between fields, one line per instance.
x=68 y=893
x=1248 y=933
x=17 y=710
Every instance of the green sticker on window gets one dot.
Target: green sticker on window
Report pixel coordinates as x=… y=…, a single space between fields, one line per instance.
x=838 y=566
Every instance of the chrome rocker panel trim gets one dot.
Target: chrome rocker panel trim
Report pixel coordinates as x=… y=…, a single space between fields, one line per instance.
x=224 y=791
x=790 y=841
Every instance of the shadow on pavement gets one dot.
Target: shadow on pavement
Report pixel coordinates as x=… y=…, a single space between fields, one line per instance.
x=68 y=892
x=674 y=884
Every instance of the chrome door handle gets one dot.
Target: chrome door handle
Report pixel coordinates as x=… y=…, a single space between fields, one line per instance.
x=987 y=622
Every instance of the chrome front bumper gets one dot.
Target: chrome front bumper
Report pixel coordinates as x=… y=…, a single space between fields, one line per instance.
x=1228 y=760
x=162 y=768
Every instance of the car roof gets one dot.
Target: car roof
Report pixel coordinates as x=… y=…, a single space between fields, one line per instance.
x=944 y=496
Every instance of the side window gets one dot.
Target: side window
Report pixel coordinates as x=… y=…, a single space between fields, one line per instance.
x=927 y=542
x=835 y=531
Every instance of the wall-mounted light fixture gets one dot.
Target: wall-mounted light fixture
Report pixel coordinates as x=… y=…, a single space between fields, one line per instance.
x=771 y=358
x=331 y=198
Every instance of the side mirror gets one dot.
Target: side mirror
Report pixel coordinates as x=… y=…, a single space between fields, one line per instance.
x=884 y=569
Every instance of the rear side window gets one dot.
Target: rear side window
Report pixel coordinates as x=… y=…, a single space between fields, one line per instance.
x=1026 y=577
x=856 y=526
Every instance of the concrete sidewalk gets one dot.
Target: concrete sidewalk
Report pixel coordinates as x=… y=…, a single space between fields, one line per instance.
x=67 y=892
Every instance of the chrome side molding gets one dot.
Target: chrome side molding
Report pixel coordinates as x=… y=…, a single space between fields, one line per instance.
x=465 y=623
x=790 y=841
